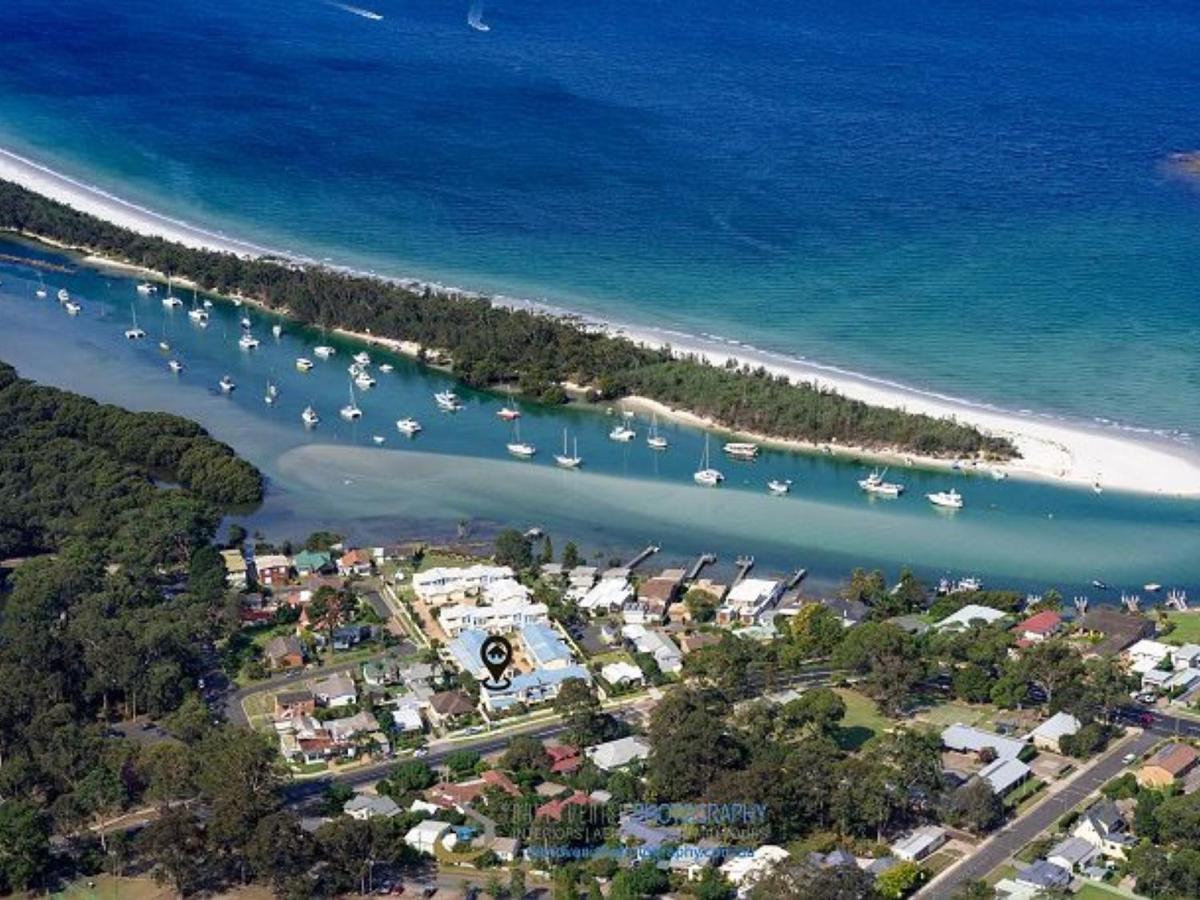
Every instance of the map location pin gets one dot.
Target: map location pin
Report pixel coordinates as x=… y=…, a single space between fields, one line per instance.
x=496 y=653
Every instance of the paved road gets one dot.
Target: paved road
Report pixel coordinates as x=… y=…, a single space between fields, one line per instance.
x=1004 y=843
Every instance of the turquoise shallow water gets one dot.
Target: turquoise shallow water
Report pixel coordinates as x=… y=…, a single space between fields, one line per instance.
x=962 y=196
x=335 y=476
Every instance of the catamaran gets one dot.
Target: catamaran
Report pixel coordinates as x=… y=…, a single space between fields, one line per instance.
x=248 y=341
x=779 y=488
x=655 y=441
x=448 y=400
x=350 y=412
x=303 y=363
x=622 y=433
x=520 y=448
x=572 y=460
x=874 y=484
x=134 y=333
x=170 y=301
x=950 y=499
x=196 y=314
x=145 y=287
x=364 y=380
x=226 y=384
x=741 y=451
x=706 y=475
x=323 y=351
x=309 y=417
x=408 y=426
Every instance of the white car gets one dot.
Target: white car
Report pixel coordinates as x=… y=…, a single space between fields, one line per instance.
x=421 y=751
x=1129 y=758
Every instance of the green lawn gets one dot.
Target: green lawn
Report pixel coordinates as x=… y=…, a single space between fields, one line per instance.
x=1093 y=891
x=1187 y=628
x=862 y=721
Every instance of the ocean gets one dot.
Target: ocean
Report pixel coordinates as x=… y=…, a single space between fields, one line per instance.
x=964 y=197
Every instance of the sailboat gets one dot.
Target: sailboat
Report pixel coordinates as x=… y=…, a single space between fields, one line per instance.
x=277 y=330
x=134 y=333
x=196 y=314
x=779 y=487
x=248 y=341
x=226 y=384
x=72 y=308
x=146 y=288
x=63 y=296
x=350 y=412
x=572 y=461
x=309 y=417
x=40 y=293
x=170 y=301
x=655 y=441
x=175 y=366
x=520 y=448
x=622 y=433
x=272 y=393
x=509 y=411
x=706 y=475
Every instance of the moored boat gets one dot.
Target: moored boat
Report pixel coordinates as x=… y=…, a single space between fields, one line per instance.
x=950 y=499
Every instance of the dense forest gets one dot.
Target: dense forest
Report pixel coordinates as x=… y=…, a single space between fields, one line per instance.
x=490 y=344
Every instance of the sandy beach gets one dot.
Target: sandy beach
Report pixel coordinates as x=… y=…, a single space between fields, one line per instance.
x=1051 y=449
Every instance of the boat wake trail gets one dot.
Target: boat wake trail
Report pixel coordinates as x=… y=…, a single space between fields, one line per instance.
x=357 y=10
x=475 y=16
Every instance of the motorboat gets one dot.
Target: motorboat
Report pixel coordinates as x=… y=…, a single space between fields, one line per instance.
x=950 y=499
x=323 y=351
x=207 y=304
x=1153 y=587
x=309 y=417
x=740 y=450
x=622 y=434
x=246 y=323
x=145 y=287
x=999 y=474
x=779 y=488
x=568 y=461
x=448 y=400
x=706 y=475
x=248 y=342
x=408 y=426
x=226 y=384
x=170 y=301
x=508 y=413
x=63 y=296
x=72 y=308
x=175 y=366
x=40 y=293
x=874 y=484
x=1099 y=585
x=387 y=368
x=378 y=438
x=199 y=316
x=304 y=364
x=518 y=447
x=164 y=346
x=362 y=359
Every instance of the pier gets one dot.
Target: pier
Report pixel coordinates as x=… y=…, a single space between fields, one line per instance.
x=642 y=557
x=794 y=580
x=705 y=559
x=744 y=565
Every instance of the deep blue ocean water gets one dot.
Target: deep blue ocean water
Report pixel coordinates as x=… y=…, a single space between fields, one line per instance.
x=965 y=196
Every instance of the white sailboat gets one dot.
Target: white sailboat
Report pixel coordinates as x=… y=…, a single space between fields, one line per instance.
x=572 y=460
x=169 y=300
x=655 y=441
x=509 y=410
x=362 y=359
x=386 y=368
x=408 y=426
x=350 y=412
x=277 y=330
x=323 y=352
x=196 y=314
x=40 y=293
x=248 y=341
x=950 y=499
x=145 y=288
x=520 y=448
x=175 y=366
x=72 y=308
x=309 y=417
x=706 y=475
x=448 y=400
x=272 y=393
x=63 y=296
x=246 y=323
x=779 y=487
x=364 y=380
x=134 y=333
x=741 y=450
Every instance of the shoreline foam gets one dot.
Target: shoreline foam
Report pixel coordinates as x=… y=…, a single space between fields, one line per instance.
x=1051 y=449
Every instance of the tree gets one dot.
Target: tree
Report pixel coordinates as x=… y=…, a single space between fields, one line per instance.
x=1178 y=819
x=821 y=710
x=808 y=883
x=513 y=549
x=279 y=849
x=516 y=883
x=547 y=554
x=815 y=631
x=410 y=775
x=579 y=708
x=887 y=658
x=239 y=774
x=689 y=743
x=100 y=794
x=973 y=684
x=174 y=843
x=24 y=844
x=975 y=805
x=900 y=880
x=974 y=890
x=525 y=754
x=462 y=762
x=701 y=604
x=570 y=556
x=1087 y=742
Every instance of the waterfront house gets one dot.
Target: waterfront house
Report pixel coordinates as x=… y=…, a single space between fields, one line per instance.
x=661 y=589
x=424 y=837
x=1187 y=656
x=1113 y=630
x=1148 y=654
x=236 y=569
x=1172 y=761
x=968 y=739
x=1072 y=853
x=1048 y=735
x=335 y=690
x=608 y=596
x=355 y=562
x=619 y=753
x=440 y=585
x=271 y=569
x=1103 y=826
x=747 y=600
x=971 y=614
x=371 y=806
x=1038 y=627
x=917 y=845
x=283 y=652
x=312 y=562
